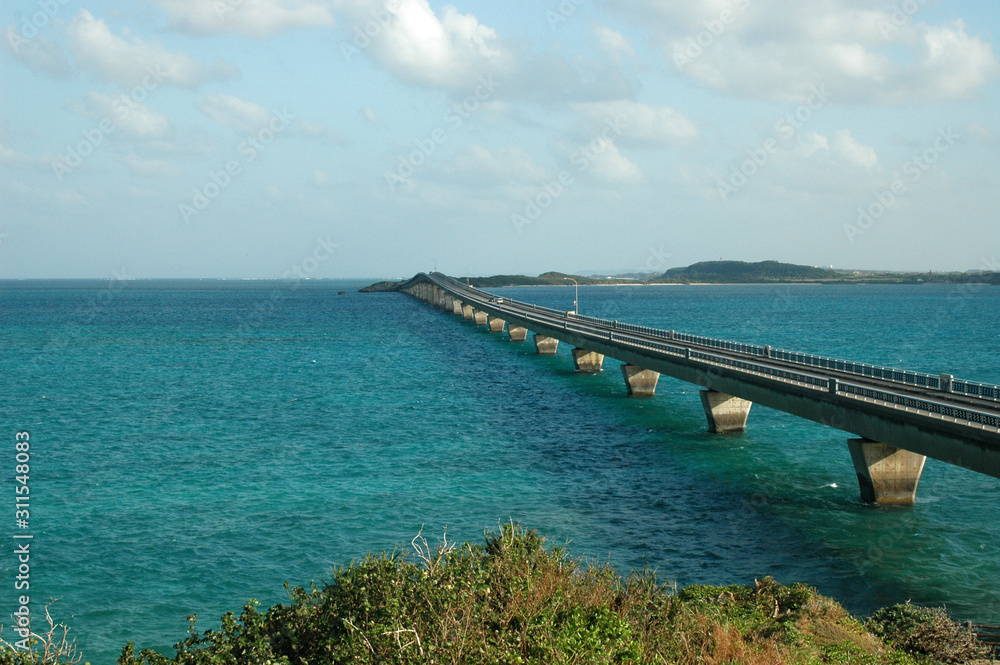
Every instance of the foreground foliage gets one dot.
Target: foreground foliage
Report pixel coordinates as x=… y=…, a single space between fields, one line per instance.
x=927 y=631
x=514 y=600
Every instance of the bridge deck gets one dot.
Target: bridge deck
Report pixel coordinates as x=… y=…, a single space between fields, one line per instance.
x=941 y=417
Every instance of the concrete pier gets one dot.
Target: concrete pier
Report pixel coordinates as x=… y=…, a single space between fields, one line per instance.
x=546 y=346
x=887 y=475
x=587 y=361
x=640 y=382
x=902 y=416
x=725 y=413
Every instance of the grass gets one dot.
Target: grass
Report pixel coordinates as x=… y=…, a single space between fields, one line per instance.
x=513 y=599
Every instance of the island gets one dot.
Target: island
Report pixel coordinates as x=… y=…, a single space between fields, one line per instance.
x=729 y=272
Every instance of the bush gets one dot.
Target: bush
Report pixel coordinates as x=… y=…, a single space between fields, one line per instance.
x=927 y=632
x=53 y=648
x=514 y=599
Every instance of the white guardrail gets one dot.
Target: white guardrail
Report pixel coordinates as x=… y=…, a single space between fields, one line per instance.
x=943 y=382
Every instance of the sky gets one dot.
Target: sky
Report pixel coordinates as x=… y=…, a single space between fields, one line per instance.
x=380 y=138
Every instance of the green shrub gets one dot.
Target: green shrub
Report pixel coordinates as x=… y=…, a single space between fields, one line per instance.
x=927 y=632
x=513 y=599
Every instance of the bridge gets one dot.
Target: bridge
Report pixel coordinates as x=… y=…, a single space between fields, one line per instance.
x=898 y=418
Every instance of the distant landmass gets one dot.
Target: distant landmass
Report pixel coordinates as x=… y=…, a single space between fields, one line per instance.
x=732 y=272
x=728 y=272
x=545 y=279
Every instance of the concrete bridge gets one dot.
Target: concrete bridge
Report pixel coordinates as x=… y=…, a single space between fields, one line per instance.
x=899 y=418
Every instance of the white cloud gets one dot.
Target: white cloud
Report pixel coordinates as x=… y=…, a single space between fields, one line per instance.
x=38 y=54
x=133 y=119
x=251 y=117
x=230 y=111
x=486 y=167
x=777 y=50
x=455 y=52
x=811 y=143
x=158 y=169
x=369 y=114
x=450 y=51
x=612 y=167
x=612 y=42
x=11 y=157
x=320 y=178
x=862 y=155
x=640 y=123
x=133 y=62
x=252 y=18
x=316 y=130
x=950 y=64
x=980 y=133
x=842 y=149
x=49 y=195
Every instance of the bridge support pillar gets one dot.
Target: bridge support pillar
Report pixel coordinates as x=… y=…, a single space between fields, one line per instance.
x=640 y=382
x=886 y=474
x=546 y=346
x=467 y=312
x=496 y=325
x=517 y=333
x=456 y=306
x=480 y=317
x=725 y=413
x=587 y=361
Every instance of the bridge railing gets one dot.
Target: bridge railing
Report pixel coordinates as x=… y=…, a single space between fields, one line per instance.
x=946 y=410
x=823 y=383
x=942 y=382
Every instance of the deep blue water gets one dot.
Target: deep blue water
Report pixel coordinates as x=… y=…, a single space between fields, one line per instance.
x=197 y=444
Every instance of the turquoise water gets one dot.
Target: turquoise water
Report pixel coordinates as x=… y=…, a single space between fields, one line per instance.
x=197 y=444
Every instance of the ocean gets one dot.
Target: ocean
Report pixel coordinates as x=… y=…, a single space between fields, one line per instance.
x=195 y=444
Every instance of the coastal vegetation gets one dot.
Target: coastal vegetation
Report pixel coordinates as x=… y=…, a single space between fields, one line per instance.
x=742 y=272
x=731 y=272
x=513 y=599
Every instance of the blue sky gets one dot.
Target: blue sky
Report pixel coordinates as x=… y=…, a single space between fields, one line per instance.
x=378 y=138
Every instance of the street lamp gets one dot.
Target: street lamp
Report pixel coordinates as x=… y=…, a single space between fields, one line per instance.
x=576 y=299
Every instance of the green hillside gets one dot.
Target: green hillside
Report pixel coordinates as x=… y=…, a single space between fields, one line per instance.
x=721 y=272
